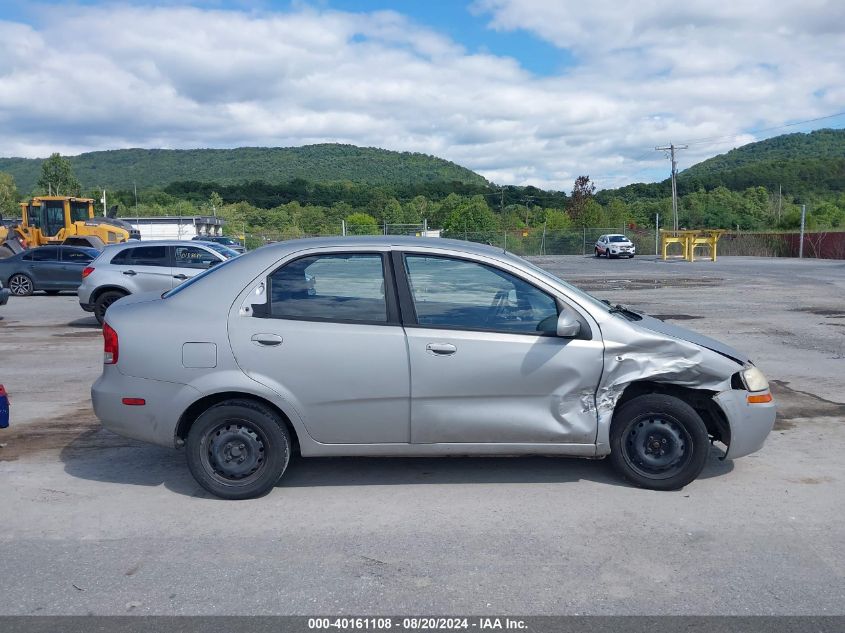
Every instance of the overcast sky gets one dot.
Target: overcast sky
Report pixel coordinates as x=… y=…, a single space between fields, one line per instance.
x=521 y=91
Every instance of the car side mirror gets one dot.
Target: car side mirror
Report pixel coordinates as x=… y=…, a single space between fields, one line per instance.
x=567 y=325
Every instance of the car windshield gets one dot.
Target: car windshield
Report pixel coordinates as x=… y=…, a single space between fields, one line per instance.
x=618 y=238
x=196 y=278
x=227 y=252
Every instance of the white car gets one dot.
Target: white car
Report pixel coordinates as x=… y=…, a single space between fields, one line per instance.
x=615 y=246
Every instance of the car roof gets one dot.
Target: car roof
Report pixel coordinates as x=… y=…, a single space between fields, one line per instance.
x=381 y=241
x=136 y=243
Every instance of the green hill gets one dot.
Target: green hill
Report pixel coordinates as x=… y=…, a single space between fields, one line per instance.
x=804 y=165
x=156 y=168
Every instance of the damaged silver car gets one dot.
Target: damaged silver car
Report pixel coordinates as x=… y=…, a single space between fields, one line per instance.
x=412 y=347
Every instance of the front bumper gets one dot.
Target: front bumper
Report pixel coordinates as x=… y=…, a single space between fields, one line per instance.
x=88 y=307
x=750 y=424
x=153 y=422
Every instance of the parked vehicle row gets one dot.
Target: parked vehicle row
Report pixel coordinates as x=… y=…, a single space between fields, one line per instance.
x=102 y=277
x=136 y=267
x=415 y=347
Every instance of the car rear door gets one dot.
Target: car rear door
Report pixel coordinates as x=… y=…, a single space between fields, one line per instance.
x=45 y=268
x=73 y=261
x=146 y=268
x=327 y=336
x=486 y=365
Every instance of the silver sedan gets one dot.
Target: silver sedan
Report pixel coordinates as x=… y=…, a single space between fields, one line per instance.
x=410 y=346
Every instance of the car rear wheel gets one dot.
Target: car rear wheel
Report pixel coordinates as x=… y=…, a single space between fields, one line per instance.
x=596 y=252
x=658 y=442
x=238 y=449
x=101 y=305
x=20 y=285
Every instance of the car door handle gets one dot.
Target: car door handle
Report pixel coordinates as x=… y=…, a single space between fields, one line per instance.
x=441 y=349
x=266 y=340
x=129 y=272
x=180 y=276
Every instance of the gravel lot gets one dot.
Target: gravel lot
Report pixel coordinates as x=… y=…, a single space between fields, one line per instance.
x=93 y=523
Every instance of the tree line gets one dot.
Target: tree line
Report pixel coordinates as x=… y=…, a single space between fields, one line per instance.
x=300 y=207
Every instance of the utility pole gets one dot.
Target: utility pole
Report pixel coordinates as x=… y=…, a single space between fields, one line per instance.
x=135 y=187
x=801 y=240
x=671 y=149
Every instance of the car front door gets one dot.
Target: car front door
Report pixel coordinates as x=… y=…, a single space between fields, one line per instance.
x=486 y=364
x=327 y=336
x=73 y=261
x=147 y=268
x=191 y=260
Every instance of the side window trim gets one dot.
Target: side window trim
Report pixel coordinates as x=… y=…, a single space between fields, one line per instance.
x=263 y=310
x=406 y=300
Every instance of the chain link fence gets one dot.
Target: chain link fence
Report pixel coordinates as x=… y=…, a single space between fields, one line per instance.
x=537 y=241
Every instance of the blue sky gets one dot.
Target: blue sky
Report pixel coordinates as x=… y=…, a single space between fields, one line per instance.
x=522 y=91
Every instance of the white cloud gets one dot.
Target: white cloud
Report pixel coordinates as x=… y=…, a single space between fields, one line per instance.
x=645 y=73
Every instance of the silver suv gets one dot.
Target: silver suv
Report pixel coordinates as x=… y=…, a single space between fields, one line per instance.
x=154 y=266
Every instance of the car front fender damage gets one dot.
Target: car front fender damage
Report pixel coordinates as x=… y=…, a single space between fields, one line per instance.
x=655 y=358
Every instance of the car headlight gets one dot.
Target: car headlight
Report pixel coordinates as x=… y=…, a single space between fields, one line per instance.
x=754 y=379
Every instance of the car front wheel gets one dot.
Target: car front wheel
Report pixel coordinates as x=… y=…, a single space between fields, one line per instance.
x=238 y=449
x=21 y=285
x=658 y=442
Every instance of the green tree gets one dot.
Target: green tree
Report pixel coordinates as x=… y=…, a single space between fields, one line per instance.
x=582 y=193
x=361 y=224
x=8 y=196
x=57 y=177
x=557 y=220
x=472 y=218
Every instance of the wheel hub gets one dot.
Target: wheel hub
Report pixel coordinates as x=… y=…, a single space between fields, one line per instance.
x=235 y=451
x=656 y=446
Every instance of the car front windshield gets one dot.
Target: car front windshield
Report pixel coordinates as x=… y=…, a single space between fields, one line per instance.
x=618 y=238
x=227 y=252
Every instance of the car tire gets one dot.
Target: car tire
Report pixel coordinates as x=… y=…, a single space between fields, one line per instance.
x=238 y=449
x=21 y=285
x=658 y=442
x=596 y=252
x=101 y=305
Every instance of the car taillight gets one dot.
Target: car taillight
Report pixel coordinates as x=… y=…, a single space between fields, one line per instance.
x=110 y=345
x=87 y=271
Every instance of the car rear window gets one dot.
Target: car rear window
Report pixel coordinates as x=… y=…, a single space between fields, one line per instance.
x=142 y=256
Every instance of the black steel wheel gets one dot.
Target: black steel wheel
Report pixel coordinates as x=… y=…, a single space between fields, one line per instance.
x=238 y=449
x=21 y=285
x=101 y=305
x=659 y=442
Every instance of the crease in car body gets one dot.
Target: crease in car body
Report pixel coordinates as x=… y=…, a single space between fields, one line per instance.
x=607 y=381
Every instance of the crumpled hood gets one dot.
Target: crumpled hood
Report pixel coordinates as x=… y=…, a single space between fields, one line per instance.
x=656 y=325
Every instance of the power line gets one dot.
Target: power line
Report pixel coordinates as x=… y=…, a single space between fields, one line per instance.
x=713 y=139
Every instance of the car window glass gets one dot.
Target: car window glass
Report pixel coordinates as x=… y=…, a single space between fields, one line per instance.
x=142 y=256
x=45 y=254
x=467 y=295
x=330 y=287
x=194 y=257
x=74 y=255
x=618 y=238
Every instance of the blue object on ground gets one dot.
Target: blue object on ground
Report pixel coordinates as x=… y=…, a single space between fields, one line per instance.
x=4 y=408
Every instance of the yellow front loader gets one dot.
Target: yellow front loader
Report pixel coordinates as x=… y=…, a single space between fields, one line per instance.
x=62 y=220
